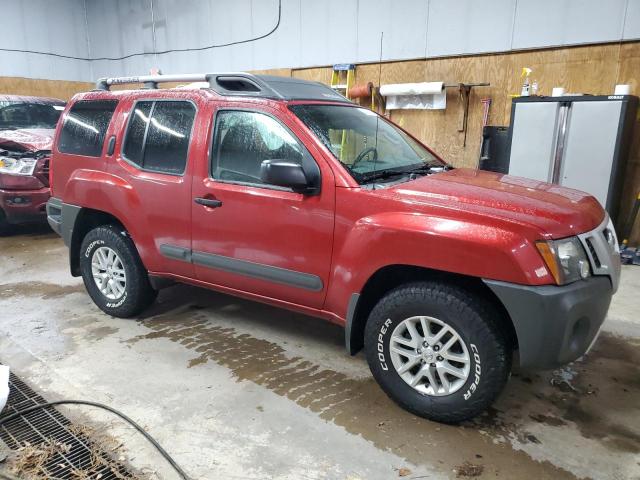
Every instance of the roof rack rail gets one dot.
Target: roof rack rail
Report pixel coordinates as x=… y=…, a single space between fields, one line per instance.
x=238 y=83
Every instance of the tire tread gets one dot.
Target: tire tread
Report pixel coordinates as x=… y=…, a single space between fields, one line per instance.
x=140 y=293
x=488 y=329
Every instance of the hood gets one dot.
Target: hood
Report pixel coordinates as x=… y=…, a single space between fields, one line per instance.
x=557 y=211
x=28 y=139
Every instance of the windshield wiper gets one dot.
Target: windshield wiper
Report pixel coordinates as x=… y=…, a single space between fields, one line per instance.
x=383 y=175
x=428 y=167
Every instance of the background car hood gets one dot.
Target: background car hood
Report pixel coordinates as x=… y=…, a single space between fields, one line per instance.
x=28 y=139
x=557 y=211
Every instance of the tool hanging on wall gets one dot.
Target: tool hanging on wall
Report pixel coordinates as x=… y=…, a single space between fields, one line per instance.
x=465 y=92
x=430 y=96
x=486 y=105
x=343 y=78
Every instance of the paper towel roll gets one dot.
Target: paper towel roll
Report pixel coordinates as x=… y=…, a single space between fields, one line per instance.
x=622 y=90
x=424 y=88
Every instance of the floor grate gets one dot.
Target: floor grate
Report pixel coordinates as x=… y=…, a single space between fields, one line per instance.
x=46 y=424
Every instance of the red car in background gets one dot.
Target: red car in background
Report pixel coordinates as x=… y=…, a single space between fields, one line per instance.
x=27 y=125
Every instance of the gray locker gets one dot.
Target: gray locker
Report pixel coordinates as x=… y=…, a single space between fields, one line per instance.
x=580 y=142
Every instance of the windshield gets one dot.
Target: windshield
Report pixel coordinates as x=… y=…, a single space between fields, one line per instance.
x=15 y=115
x=350 y=134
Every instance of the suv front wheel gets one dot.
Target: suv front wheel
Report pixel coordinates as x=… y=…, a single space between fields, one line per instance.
x=113 y=273
x=437 y=351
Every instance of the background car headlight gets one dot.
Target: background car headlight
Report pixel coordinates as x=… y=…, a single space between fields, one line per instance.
x=566 y=259
x=17 y=166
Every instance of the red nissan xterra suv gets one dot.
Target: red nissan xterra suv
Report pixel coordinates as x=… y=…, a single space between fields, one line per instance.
x=27 y=125
x=282 y=191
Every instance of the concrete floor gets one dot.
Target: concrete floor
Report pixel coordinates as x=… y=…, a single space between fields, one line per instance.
x=235 y=389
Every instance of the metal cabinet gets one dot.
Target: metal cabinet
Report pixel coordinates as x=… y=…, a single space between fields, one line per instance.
x=580 y=142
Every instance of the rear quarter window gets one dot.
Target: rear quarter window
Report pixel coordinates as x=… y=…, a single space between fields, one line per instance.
x=85 y=126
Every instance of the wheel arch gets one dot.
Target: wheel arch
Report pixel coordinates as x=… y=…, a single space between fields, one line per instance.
x=86 y=220
x=389 y=277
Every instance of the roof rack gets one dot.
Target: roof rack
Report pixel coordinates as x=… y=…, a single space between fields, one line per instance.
x=243 y=84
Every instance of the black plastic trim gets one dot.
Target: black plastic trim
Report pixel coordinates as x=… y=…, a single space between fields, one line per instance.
x=62 y=218
x=555 y=325
x=260 y=271
x=54 y=214
x=352 y=344
x=176 y=253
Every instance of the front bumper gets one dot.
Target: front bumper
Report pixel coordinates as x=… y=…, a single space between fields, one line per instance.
x=24 y=205
x=555 y=324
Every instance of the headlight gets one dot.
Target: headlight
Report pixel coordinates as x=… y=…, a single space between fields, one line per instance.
x=17 y=166
x=566 y=259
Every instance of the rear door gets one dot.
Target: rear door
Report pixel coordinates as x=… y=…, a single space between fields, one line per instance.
x=158 y=147
x=254 y=237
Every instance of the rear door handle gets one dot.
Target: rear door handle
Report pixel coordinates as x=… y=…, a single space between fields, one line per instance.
x=208 y=202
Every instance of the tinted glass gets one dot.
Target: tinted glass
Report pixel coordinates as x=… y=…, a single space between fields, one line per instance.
x=364 y=142
x=85 y=127
x=135 y=132
x=167 y=141
x=14 y=115
x=243 y=140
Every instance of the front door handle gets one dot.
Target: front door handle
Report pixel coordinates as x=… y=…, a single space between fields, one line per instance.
x=208 y=202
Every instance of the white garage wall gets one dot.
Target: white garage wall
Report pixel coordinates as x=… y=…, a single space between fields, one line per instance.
x=311 y=33
x=44 y=25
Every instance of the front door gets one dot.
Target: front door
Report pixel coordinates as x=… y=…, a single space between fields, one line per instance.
x=254 y=237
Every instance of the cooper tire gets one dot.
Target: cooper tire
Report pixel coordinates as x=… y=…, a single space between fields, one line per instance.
x=476 y=323
x=134 y=293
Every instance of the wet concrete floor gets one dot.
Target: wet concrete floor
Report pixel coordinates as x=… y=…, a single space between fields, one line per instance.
x=236 y=389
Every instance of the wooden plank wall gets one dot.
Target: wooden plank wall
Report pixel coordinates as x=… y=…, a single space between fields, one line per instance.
x=594 y=69
x=61 y=89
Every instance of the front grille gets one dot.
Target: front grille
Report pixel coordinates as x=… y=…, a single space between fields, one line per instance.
x=47 y=424
x=594 y=255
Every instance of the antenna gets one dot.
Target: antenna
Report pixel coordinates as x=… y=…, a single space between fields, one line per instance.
x=375 y=158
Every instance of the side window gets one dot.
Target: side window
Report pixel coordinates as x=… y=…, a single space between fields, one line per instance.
x=134 y=139
x=243 y=140
x=85 y=126
x=158 y=135
x=168 y=137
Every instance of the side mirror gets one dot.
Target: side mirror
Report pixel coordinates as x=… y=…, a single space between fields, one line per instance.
x=286 y=174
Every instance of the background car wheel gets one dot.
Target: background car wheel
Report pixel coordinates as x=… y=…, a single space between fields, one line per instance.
x=113 y=273
x=4 y=225
x=438 y=351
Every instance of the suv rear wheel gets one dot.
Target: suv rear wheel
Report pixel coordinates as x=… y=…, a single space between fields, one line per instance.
x=113 y=273
x=437 y=351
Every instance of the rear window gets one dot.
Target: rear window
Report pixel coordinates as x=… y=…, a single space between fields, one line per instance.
x=14 y=115
x=158 y=135
x=85 y=126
